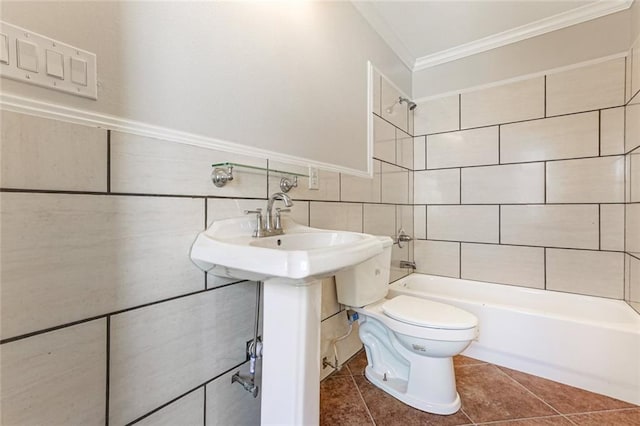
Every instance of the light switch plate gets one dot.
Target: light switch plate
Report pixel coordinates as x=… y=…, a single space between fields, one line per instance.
x=4 y=49
x=35 y=59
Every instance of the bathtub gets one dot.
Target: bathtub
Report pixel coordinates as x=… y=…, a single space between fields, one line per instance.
x=588 y=342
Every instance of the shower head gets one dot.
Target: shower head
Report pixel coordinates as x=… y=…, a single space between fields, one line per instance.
x=412 y=105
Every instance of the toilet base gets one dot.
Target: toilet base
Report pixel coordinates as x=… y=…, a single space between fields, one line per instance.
x=398 y=389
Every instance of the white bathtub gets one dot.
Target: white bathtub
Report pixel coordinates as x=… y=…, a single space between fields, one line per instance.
x=587 y=342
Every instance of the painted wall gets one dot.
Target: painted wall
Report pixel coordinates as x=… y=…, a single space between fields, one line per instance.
x=265 y=75
x=587 y=41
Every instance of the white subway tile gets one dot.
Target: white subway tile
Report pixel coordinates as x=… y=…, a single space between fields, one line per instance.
x=404 y=219
x=475 y=147
x=420 y=221
x=96 y=254
x=229 y=404
x=437 y=187
x=586 y=88
x=595 y=273
x=395 y=184
x=419 y=153
x=437 y=115
x=589 y=180
x=161 y=351
x=56 y=378
x=632 y=125
x=39 y=153
x=555 y=138
x=354 y=188
x=384 y=140
x=612 y=227
x=392 y=110
x=437 y=258
x=187 y=411
x=328 y=183
x=612 y=131
x=635 y=68
x=506 y=184
x=146 y=165
x=633 y=176
x=404 y=149
x=632 y=266
x=632 y=228
x=571 y=226
x=380 y=219
x=522 y=266
x=522 y=100
x=330 y=305
x=463 y=223
x=332 y=328
x=340 y=216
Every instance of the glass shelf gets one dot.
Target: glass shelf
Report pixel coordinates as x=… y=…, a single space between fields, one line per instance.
x=266 y=169
x=223 y=173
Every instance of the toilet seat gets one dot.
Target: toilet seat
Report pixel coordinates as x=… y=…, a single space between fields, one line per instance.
x=426 y=313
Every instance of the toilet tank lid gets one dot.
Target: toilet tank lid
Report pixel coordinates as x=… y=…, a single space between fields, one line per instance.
x=426 y=313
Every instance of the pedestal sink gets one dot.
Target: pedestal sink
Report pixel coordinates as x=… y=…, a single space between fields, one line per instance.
x=290 y=266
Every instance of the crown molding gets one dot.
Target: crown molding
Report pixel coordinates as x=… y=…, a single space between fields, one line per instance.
x=556 y=22
x=23 y=105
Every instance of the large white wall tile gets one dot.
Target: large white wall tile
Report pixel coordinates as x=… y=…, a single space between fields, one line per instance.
x=404 y=219
x=392 y=110
x=571 y=226
x=437 y=115
x=523 y=266
x=330 y=329
x=380 y=219
x=463 y=223
x=586 y=88
x=187 y=411
x=612 y=227
x=437 y=258
x=522 y=100
x=161 y=351
x=555 y=138
x=506 y=184
x=420 y=222
x=384 y=140
x=632 y=228
x=596 y=273
x=404 y=149
x=354 y=188
x=632 y=266
x=632 y=125
x=635 y=68
x=229 y=404
x=437 y=187
x=39 y=153
x=589 y=180
x=633 y=176
x=55 y=378
x=612 y=131
x=146 y=165
x=340 y=216
x=419 y=153
x=96 y=254
x=395 y=184
x=475 y=147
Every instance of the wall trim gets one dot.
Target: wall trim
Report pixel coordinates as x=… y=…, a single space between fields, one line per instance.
x=24 y=105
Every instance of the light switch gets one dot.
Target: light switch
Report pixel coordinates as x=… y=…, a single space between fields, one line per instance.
x=79 y=71
x=27 y=56
x=4 y=48
x=55 y=64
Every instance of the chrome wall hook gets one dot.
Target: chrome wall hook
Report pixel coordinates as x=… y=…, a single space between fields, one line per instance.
x=220 y=176
x=287 y=183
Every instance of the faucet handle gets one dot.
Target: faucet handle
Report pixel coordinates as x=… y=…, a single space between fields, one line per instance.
x=278 y=224
x=259 y=227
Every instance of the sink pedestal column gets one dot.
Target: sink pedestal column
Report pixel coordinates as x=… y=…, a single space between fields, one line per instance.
x=291 y=353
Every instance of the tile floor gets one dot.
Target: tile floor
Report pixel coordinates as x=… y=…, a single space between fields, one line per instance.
x=490 y=395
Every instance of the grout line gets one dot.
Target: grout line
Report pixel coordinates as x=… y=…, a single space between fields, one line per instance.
x=108 y=372
x=545 y=182
x=204 y=411
x=545 y=96
x=499 y=224
x=460 y=186
x=544 y=266
x=460 y=260
x=459 y=111
x=599 y=227
x=366 y=407
x=108 y=160
x=599 y=133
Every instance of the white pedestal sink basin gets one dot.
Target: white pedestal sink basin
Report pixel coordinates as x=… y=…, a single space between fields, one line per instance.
x=290 y=266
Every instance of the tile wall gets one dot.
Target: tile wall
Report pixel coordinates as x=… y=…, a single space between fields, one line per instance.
x=104 y=318
x=524 y=183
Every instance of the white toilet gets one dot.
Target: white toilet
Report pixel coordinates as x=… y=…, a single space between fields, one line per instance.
x=409 y=341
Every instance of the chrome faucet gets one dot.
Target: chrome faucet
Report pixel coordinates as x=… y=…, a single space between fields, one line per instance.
x=271 y=225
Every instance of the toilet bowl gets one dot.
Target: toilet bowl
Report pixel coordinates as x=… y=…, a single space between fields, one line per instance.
x=409 y=342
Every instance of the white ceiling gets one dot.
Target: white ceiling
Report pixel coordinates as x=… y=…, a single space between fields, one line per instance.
x=427 y=33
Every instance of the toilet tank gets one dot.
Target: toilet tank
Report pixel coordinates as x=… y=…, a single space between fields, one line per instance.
x=368 y=281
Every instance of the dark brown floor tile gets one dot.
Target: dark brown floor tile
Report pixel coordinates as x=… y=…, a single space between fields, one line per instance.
x=566 y=399
x=539 y=421
x=386 y=410
x=463 y=361
x=488 y=394
x=358 y=363
x=610 y=418
x=340 y=403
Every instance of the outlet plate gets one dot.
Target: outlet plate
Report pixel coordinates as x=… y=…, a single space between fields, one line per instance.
x=314 y=179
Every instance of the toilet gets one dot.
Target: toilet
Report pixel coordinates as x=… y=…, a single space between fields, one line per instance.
x=410 y=342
